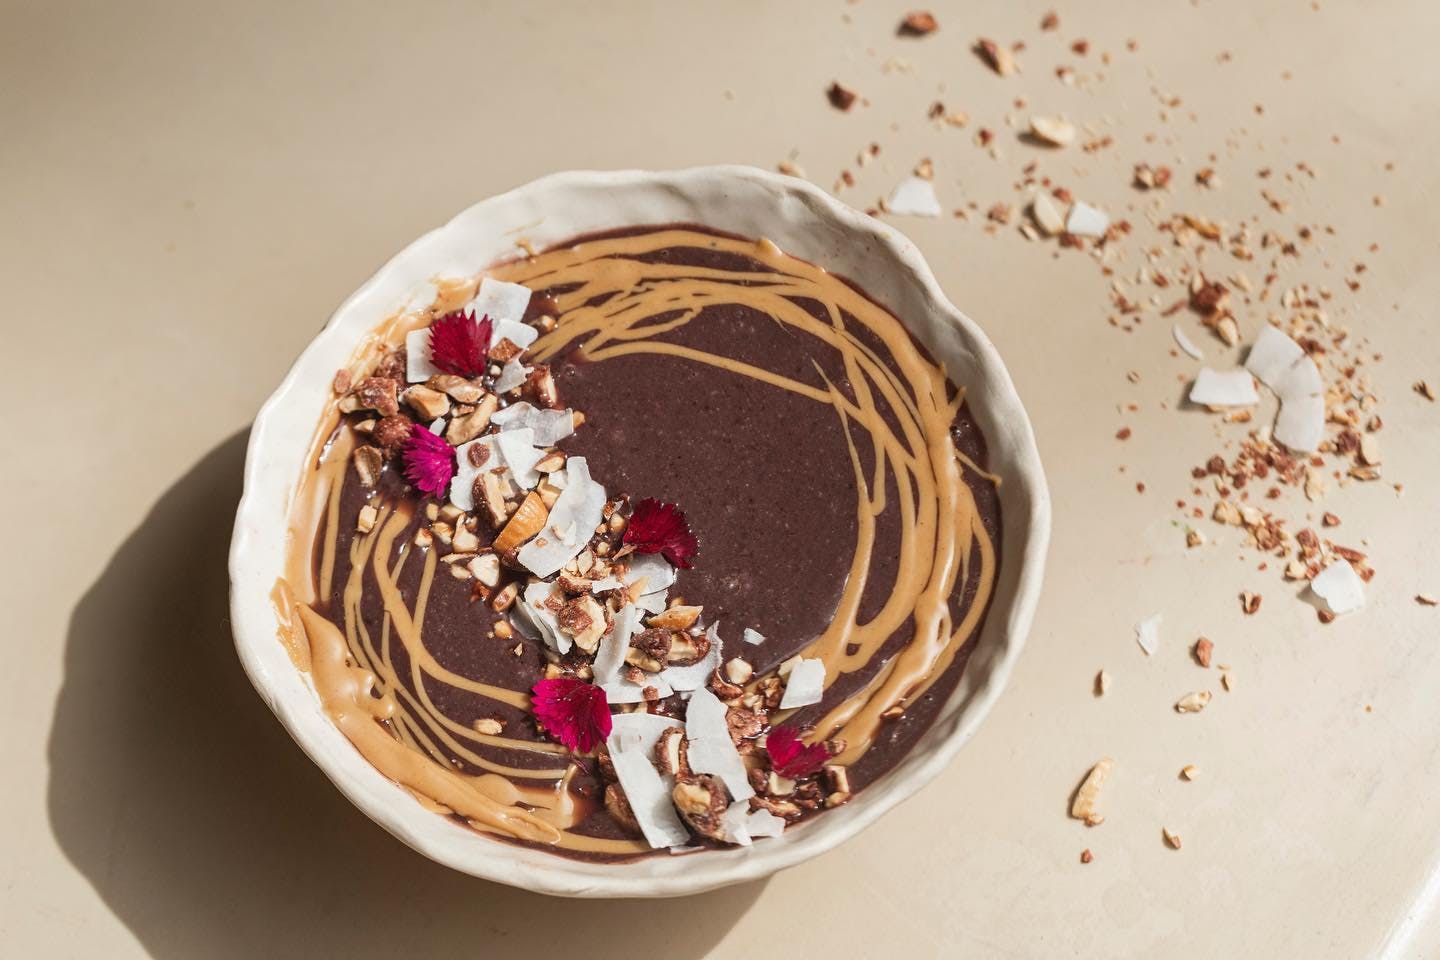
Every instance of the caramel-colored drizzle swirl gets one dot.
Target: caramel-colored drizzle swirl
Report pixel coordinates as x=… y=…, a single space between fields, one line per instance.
x=607 y=308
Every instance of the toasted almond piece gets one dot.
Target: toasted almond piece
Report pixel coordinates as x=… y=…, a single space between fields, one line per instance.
x=1086 y=856
x=996 y=57
x=503 y=630
x=678 y=617
x=459 y=389
x=738 y=671
x=1055 y=131
x=365 y=519
x=1249 y=602
x=1084 y=807
x=503 y=598
x=548 y=491
x=1102 y=683
x=528 y=520
x=1189 y=771
x=1171 y=838
x=1370 y=450
x=369 y=461
x=1203 y=648
x=465 y=428
x=1426 y=600
x=465 y=540
x=486 y=569
x=552 y=461
x=1193 y=702
x=1046 y=215
x=1227 y=680
x=489 y=726
x=493 y=488
x=429 y=403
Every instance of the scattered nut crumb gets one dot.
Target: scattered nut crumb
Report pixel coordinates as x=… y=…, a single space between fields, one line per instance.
x=1171 y=838
x=1086 y=856
x=1102 y=683
x=1189 y=771
x=841 y=98
x=918 y=24
x=1203 y=648
x=1087 y=796
x=1193 y=702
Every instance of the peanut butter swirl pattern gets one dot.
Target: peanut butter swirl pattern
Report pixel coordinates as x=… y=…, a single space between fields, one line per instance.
x=615 y=299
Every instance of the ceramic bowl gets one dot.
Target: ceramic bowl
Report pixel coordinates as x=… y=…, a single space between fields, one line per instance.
x=804 y=222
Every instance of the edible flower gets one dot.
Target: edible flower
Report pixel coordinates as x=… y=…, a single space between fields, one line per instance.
x=572 y=711
x=791 y=757
x=428 y=460
x=460 y=344
x=657 y=527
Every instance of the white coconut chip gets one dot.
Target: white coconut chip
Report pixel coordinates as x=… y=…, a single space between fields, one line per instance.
x=421 y=297
x=1300 y=425
x=512 y=375
x=502 y=302
x=418 y=365
x=611 y=652
x=1186 y=344
x=697 y=674
x=521 y=455
x=1086 y=221
x=752 y=636
x=763 y=823
x=805 y=685
x=1301 y=380
x=639 y=731
x=652 y=602
x=1271 y=356
x=532 y=605
x=649 y=797
x=736 y=823
x=605 y=583
x=1147 y=634
x=710 y=749
x=1228 y=388
x=582 y=503
x=914 y=197
x=437 y=426
x=621 y=690
x=550 y=426
x=653 y=568
x=462 y=485
x=1339 y=587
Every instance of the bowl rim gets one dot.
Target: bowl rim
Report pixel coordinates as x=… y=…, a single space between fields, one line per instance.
x=1025 y=520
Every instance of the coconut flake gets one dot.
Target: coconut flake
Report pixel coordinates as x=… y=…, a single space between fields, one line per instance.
x=1186 y=344
x=550 y=426
x=1300 y=425
x=512 y=375
x=605 y=583
x=1339 y=587
x=1086 y=221
x=1228 y=388
x=654 y=569
x=914 y=196
x=639 y=731
x=652 y=602
x=521 y=455
x=462 y=485
x=533 y=606
x=1271 y=356
x=697 y=674
x=763 y=823
x=418 y=365
x=710 y=749
x=752 y=636
x=1301 y=380
x=736 y=823
x=611 y=652
x=502 y=302
x=1147 y=634
x=806 y=684
x=621 y=690
x=648 y=795
x=582 y=503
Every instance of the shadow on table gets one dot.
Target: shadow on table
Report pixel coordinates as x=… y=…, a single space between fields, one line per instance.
x=208 y=832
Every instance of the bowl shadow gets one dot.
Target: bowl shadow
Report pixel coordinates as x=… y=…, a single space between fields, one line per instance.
x=207 y=831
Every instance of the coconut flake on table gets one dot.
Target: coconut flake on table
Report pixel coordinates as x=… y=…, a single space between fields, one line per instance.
x=914 y=197
x=462 y=485
x=582 y=503
x=512 y=375
x=710 y=749
x=418 y=365
x=1300 y=424
x=1301 y=380
x=550 y=426
x=621 y=690
x=805 y=685
x=1147 y=634
x=1271 y=356
x=611 y=652
x=1086 y=221
x=532 y=605
x=648 y=794
x=1228 y=388
x=752 y=636
x=1339 y=587
x=1186 y=344
x=521 y=455
x=697 y=674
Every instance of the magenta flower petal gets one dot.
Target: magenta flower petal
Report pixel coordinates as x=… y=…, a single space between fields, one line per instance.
x=572 y=711
x=661 y=528
x=460 y=344
x=429 y=461
x=791 y=757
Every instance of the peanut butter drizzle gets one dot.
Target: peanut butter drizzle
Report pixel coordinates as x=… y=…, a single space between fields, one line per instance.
x=939 y=522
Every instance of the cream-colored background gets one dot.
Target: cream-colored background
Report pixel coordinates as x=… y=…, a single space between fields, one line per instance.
x=187 y=190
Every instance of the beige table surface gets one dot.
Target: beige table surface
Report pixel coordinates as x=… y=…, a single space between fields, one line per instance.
x=187 y=190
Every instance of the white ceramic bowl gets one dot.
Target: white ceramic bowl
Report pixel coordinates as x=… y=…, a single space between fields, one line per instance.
x=804 y=222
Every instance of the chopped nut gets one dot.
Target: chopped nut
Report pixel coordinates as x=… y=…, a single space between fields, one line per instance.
x=701 y=802
x=342 y=382
x=671 y=754
x=1203 y=649
x=551 y=462
x=841 y=98
x=391 y=433
x=505 y=350
x=1084 y=805
x=466 y=427
x=1370 y=450
x=584 y=620
x=996 y=57
x=650 y=649
x=369 y=461
x=1102 y=683
x=539 y=387
x=486 y=569
x=743 y=723
x=738 y=671
x=1086 y=856
x=1189 y=771
x=489 y=726
x=378 y=394
x=503 y=599
x=1425 y=390
x=430 y=404
x=365 y=519
x=465 y=540
x=459 y=389
x=1227 y=680
x=677 y=617
x=528 y=520
x=1054 y=131
x=918 y=24
x=1249 y=602
x=1193 y=702
x=503 y=630
x=1173 y=839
